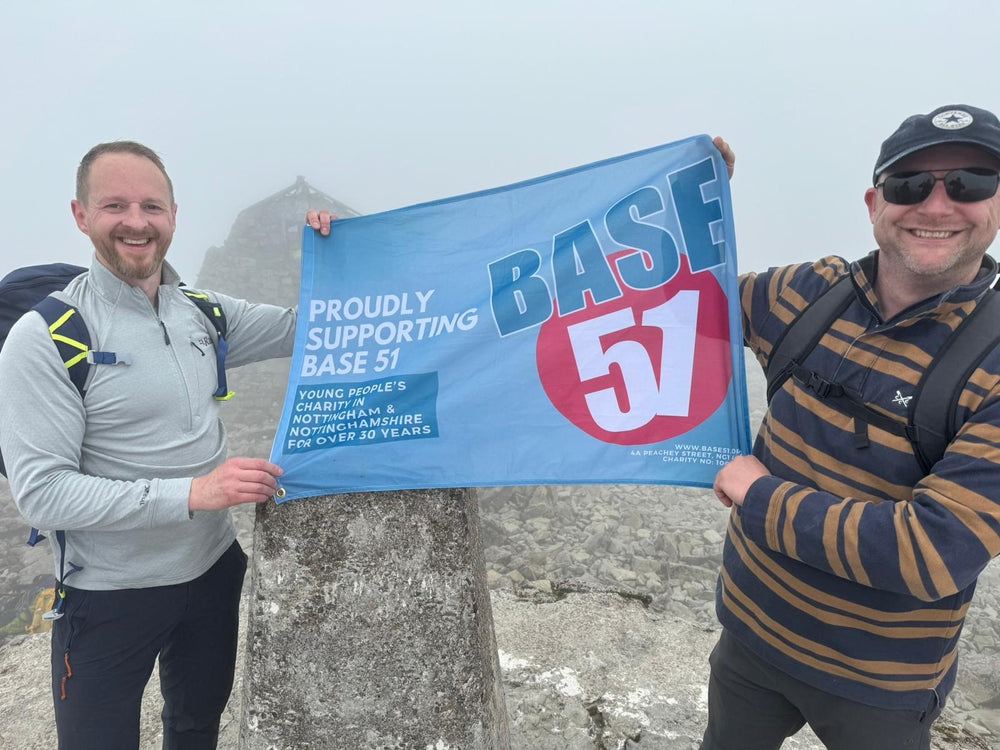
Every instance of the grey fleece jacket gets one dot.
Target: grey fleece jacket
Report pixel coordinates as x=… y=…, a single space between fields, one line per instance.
x=114 y=470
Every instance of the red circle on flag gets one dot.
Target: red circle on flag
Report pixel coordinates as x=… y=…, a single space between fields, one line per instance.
x=642 y=368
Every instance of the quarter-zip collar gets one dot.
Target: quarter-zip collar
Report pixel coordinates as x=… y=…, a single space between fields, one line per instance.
x=111 y=287
x=865 y=271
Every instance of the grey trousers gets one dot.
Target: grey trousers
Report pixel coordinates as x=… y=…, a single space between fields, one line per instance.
x=754 y=706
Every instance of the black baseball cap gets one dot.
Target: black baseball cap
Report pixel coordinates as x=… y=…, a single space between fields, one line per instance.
x=953 y=123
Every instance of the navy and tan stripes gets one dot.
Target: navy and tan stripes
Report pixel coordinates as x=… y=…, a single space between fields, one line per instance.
x=918 y=622
x=848 y=568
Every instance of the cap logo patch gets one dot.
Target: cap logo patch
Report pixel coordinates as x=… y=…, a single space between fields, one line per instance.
x=953 y=119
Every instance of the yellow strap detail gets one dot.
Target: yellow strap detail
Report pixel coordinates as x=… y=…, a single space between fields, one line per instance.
x=62 y=319
x=69 y=341
x=66 y=339
x=216 y=311
x=73 y=360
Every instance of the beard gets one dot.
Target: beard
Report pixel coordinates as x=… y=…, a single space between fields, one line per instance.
x=130 y=269
x=928 y=263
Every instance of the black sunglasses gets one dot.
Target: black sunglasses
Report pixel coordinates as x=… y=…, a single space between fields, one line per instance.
x=966 y=185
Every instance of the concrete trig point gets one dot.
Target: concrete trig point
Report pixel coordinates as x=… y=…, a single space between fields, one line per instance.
x=370 y=626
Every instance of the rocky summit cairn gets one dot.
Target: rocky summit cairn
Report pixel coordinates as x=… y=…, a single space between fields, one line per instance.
x=262 y=256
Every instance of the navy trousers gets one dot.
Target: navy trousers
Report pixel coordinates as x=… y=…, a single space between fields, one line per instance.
x=104 y=649
x=753 y=706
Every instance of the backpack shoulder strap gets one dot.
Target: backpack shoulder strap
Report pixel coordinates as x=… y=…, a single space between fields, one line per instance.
x=936 y=398
x=73 y=339
x=212 y=310
x=805 y=331
x=217 y=317
x=71 y=336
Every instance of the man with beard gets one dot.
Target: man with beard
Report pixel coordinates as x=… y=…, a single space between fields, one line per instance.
x=849 y=566
x=135 y=471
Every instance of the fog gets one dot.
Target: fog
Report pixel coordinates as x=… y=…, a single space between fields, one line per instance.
x=387 y=104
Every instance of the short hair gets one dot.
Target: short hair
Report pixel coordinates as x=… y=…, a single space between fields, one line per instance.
x=116 y=147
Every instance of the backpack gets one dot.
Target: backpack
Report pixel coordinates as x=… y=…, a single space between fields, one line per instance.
x=39 y=288
x=930 y=424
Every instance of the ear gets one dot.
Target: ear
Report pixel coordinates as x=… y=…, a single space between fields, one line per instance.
x=871 y=196
x=80 y=215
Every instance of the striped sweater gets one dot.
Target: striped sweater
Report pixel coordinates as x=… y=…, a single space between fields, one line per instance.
x=848 y=568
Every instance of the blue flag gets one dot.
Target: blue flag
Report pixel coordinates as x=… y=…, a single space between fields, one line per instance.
x=578 y=328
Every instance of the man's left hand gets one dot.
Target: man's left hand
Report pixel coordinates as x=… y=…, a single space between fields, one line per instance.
x=728 y=155
x=735 y=478
x=320 y=220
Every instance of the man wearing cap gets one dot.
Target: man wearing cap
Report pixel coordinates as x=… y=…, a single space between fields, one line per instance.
x=847 y=569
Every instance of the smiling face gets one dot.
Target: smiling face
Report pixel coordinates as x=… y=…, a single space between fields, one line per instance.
x=938 y=243
x=129 y=215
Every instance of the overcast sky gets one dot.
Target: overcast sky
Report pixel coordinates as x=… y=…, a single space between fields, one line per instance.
x=387 y=104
